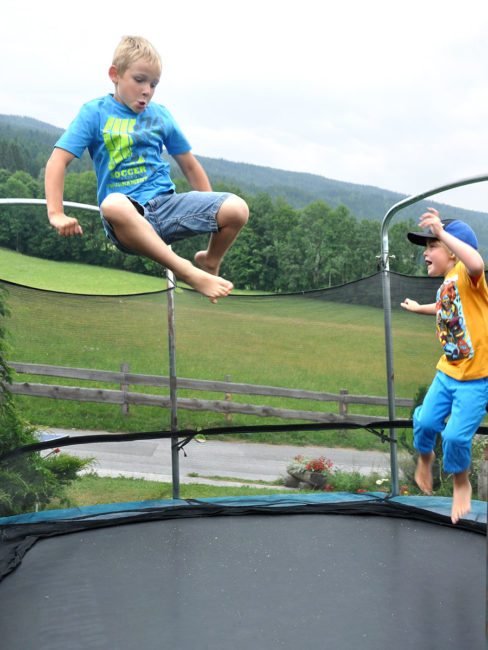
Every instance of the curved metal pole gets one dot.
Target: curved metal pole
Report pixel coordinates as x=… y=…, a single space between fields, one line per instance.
x=69 y=204
x=385 y=268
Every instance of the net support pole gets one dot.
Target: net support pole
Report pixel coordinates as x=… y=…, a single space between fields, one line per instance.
x=390 y=373
x=175 y=461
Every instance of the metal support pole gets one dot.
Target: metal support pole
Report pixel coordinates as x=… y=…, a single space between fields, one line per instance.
x=175 y=463
x=390 y=374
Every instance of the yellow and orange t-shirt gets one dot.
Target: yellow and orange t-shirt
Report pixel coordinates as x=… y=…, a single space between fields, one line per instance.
x=462 y=324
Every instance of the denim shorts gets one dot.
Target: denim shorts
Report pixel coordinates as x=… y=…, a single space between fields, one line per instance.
x=176 y=216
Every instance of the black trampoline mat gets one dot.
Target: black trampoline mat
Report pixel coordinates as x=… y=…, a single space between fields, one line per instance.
x=250 y=582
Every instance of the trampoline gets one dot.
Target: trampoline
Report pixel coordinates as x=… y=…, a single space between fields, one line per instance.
x=339 y=571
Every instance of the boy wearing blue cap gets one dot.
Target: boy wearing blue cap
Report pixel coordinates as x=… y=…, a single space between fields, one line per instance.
x=459 y=390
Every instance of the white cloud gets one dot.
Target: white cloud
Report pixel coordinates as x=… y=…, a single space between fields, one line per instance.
x=375 y=93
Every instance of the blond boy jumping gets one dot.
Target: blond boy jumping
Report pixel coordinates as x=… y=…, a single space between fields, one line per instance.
x=125 y=134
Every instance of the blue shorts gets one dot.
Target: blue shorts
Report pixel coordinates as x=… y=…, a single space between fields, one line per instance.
x=464 y=404
x=176 y=216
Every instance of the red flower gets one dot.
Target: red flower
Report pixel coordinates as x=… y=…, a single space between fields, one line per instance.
x=321 y=464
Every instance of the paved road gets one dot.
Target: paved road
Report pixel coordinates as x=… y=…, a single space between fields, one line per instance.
x=151 y=459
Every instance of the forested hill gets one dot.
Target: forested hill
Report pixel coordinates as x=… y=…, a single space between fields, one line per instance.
x=28 y=142
x=300 y=189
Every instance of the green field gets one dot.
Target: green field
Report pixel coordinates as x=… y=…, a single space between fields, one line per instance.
x=72 y=277
x=289 y=341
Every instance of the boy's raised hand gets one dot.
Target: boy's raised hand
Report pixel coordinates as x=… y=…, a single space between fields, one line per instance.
x=66 y=226
x=432 y=219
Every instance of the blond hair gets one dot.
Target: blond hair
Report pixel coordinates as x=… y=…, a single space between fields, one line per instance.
x=133 y=48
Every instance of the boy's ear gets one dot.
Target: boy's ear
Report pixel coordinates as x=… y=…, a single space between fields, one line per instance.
x=113 y=74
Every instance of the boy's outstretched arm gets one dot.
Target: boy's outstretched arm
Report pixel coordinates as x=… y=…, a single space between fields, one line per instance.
x=54 y=187
x=413 y=305
x=193 y=171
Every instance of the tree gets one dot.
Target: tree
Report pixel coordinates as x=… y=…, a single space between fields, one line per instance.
x=366 y=246
x=407 y=256
x=281 y=249
x=254 y=260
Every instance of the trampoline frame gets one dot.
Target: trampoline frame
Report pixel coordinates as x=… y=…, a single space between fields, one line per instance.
x=176 y=445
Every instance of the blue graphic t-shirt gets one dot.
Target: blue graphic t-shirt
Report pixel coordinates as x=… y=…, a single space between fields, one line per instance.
x=126 y=147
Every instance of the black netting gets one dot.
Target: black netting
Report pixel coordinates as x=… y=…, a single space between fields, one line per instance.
x=87 y=331
x=326 y=341
x=368 y=291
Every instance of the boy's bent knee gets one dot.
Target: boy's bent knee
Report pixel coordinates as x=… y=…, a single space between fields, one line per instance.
x=425 y=431
x=233 y=209
x=426 y=420
x=114 y=203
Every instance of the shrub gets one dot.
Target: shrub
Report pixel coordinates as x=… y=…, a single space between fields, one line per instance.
x=29 y=481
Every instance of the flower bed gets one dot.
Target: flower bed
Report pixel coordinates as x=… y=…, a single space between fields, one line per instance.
x=319 y=474
x=310 y=472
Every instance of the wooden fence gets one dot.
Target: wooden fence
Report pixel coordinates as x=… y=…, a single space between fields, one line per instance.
x=123 y=396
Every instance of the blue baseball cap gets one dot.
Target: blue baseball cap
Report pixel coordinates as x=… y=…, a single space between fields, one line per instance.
x=454 y=227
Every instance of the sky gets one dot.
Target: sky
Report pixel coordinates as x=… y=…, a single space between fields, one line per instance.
x=377 y=92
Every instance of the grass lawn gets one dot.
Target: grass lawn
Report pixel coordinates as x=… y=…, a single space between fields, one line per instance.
x=291 y=341
x=72 y=277
x=91 y=489
x=94 y=490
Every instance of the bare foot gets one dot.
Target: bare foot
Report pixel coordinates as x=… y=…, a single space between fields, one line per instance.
x=461 y=499
x=202 y=262
x=209 y=285
x=423 y=473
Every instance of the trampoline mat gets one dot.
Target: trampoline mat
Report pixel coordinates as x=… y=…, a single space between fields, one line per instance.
x=264 y=582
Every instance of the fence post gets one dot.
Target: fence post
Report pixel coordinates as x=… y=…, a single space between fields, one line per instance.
x=342 y=402
x=124 y=367
x=228 y=398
